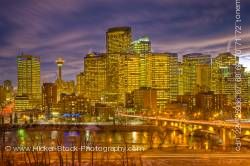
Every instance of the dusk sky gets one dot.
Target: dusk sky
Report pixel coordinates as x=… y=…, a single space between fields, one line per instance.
x=72 y=28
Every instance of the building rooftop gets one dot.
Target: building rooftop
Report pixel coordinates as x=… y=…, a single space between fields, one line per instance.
x=115 y=29
x=143 y=39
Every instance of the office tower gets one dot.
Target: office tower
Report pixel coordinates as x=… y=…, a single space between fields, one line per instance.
x=164 y=77
x=59 y=63
x=129 y=75
x=248 y=83
x=223 y=77
x=244 y=87
x=195 y=66
x=49 y=96
x=80 y=84
x=118 y=39
x=143 y=70
x=141 y=46
x=180 y=79
x=173 y=76
x=23 y=103
x=112 y=77
x=203 y=77
x=220 y=70
x=94 y=76
x=28 y=78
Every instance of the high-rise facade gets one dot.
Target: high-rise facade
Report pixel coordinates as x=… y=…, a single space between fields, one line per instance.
x=112 y=77
x=28 y=77
x=248 y=83
x=160 y=72
x=173 y=76
x=118 y=39
x=163 y=77
x=141 y=46
x=94 y=76
x=180 y=79
x=195 y=68
x=129 y=75
x=80 y=84
x=203 y=77
x=223 y=77
x=220 y=70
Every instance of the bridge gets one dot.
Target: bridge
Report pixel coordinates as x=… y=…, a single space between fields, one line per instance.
x=184 y=121
x=219 y=128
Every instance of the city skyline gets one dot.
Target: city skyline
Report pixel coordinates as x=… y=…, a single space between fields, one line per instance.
x=126 y=69
x=71 y=30
x=111 y=82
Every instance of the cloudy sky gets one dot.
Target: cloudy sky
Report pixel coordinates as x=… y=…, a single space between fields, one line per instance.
x=72 y=28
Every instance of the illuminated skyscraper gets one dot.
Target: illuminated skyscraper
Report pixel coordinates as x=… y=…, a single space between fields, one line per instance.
x=223 y=77
x=28 y=77
x=112 y=77
x=180 y=79
x=195 y=69
x=248 y=83
x=220 y=70
x=141 y=46
x=129 y=74
x=94 y=76
x=203 y=77
x=163 y=77
x=173 y=76
x=80 y=84
x=118 y=39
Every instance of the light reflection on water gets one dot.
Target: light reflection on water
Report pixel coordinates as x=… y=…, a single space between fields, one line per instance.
x=166 y=139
